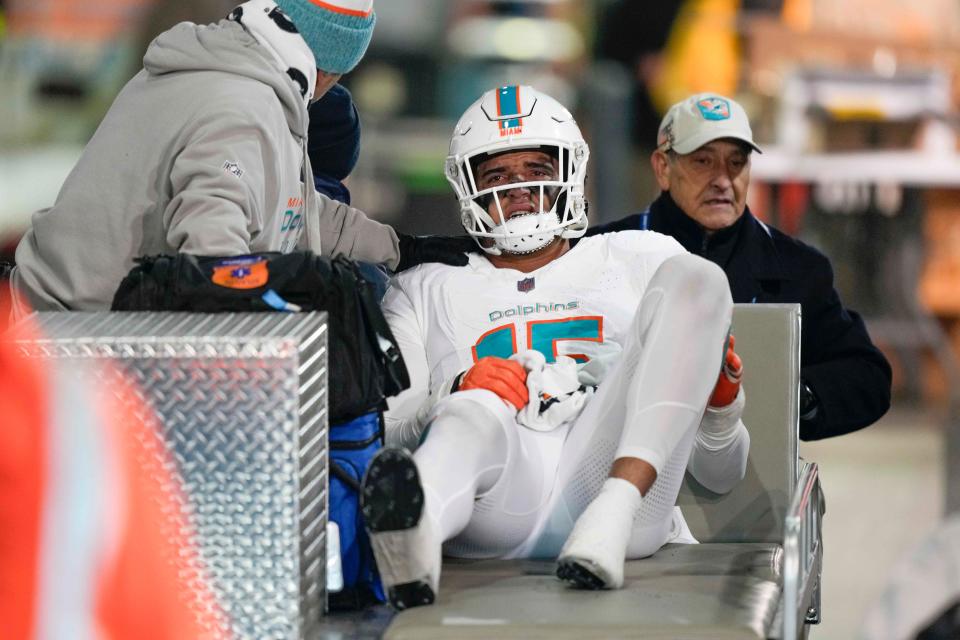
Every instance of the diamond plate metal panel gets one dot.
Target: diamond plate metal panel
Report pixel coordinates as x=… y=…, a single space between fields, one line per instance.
x=242 y=405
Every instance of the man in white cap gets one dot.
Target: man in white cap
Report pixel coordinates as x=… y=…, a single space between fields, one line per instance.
x=702 y=166
x=205 y=152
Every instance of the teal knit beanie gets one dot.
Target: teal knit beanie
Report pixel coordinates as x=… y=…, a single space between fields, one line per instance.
x=337 y=31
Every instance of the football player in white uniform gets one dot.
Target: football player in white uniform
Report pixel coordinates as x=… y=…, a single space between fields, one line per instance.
x=558 y=393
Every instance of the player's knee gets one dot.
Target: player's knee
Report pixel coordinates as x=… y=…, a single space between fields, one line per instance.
x=701 y=282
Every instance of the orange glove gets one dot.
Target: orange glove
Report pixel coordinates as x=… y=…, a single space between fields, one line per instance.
x=506 y=378
x=728 y=383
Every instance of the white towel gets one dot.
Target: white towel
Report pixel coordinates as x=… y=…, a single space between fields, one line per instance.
x=556 y=394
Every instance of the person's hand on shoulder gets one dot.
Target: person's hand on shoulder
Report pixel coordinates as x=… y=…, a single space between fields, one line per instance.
x=450 y=250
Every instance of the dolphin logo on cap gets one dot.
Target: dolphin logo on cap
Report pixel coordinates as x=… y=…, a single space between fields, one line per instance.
x=714 y=108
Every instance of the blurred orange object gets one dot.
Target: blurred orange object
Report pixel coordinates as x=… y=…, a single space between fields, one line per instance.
x=702 y=53
x=71 y=20
x=940 y=283
x=92 y=543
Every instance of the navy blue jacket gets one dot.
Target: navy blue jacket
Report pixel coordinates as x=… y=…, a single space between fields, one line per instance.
x=846 y=372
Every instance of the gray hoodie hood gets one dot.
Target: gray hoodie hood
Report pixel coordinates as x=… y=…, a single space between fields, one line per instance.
x=229 y=48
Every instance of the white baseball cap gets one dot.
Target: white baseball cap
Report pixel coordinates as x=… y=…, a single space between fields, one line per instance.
x=700 y=119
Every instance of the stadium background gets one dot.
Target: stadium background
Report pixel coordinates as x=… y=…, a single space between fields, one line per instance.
x=854 y=101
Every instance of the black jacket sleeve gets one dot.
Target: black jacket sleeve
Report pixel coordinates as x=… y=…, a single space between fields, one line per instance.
x=628 y=223
x=849 y=376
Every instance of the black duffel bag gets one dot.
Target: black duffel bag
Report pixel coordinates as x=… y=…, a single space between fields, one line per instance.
x=365 y=365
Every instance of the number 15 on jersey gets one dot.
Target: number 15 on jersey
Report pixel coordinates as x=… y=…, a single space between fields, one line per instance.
x=544 y=336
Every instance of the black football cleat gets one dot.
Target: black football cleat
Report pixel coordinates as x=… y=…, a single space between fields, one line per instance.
x=392 y=503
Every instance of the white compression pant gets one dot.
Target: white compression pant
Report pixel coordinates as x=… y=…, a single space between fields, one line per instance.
x=497 y=489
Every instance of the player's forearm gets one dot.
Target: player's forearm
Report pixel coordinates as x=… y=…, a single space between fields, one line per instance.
x=720 y=470
x=404 y=427
x=719 y=457
x=402 y=432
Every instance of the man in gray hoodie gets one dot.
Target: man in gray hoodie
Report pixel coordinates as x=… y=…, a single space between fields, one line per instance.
x=204 y=152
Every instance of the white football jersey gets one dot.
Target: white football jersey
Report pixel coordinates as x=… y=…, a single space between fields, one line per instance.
x=446 y=318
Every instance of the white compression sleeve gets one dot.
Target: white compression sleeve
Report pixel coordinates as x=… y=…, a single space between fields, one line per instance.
x=407 y=414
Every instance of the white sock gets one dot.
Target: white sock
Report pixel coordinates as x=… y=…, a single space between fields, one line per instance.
x=599 y=538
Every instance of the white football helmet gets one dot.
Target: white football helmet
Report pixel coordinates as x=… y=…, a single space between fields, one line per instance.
x=515 y=118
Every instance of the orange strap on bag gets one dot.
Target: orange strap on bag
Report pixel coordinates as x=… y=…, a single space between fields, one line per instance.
x=506 y=378
x=728 y=382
